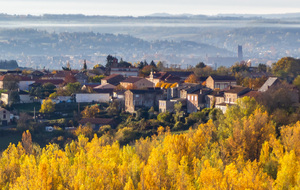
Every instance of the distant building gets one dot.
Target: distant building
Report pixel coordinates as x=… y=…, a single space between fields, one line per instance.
x=113 y=79
x=231 y=95
x=4 y=116
x=136 y=83
x=169 y=77
x=92 y=97
x=135 y=99
x=226 y=61
x=240 y=53
x=220 y=82
x=270 y=82
x=125 y=71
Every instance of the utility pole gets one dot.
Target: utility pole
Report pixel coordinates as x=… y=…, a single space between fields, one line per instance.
x=34 y=114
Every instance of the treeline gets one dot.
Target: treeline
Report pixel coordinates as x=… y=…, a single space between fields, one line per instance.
x=239 y=150
x=12 y=64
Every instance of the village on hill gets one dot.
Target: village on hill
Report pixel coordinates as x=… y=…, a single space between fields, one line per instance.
x=134 y=100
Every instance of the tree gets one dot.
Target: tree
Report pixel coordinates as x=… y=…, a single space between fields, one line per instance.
x=13 y=97
x=160 y=66
x=23 y=121
x=262 y=67
x=48 y=106
x=191 y=79
x=200 y=65
x=84 y=65
x=74 y=87
x=27 y=141
x=109 y=61
x=11 y=82
x=70 y=78
x=296 y=81
x=90 y=112
x=287 y=67
x=96 y=79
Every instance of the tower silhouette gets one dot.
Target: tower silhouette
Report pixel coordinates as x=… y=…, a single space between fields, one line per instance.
x=240 y=53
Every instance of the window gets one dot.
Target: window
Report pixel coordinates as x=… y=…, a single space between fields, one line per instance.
x=195 y=98
x=4 y=116
x=192 y=98
x=188 y=97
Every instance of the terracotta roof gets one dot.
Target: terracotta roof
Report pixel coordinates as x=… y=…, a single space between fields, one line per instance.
x=132 y=79
x=111 y=76
x=105 y=86
x=236 y=89
x=20 y=77
x=100 y=121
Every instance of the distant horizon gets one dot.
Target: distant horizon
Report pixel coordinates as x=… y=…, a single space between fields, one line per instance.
x=137 y=8
x=159 y=14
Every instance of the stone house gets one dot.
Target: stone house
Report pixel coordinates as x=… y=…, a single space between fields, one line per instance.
x=136 y=83
x=215 y=97
x=135 y=99
x=196 y=100
x=4 y=117
x=231 y=95
x=220 y=82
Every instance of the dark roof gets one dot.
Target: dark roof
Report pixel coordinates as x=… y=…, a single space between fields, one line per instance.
x=150 y=90
x=132 y=79
x=223 y=78
x=252 y=94
x=103 y=91
x=113 y=79
x=236 y=89
x=100 y=121
x=217 y=93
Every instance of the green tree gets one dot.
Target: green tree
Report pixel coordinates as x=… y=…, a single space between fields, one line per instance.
x=74 y=87
x=200 y=65
x=287 y=67
x=13 y=97
x=96 y=78
x=160 y=66
x=84 y=65
x=296 y=81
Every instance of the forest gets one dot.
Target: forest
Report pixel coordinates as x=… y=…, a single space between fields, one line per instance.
x=238 y=150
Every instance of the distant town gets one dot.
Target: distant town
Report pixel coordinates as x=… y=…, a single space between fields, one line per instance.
x=106 y=96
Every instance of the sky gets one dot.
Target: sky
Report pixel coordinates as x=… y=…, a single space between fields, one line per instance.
x=141 y=7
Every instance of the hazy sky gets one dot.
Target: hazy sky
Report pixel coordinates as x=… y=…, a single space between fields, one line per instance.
x=140 y=7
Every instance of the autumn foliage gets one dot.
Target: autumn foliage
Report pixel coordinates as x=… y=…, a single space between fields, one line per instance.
x=240 y=150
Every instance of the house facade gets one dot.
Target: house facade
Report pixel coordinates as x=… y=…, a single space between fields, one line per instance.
x=135 y=99
x=4 y=117
x=92 y=97
x=136 y=83
x=220 y=82
x=124 y=71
